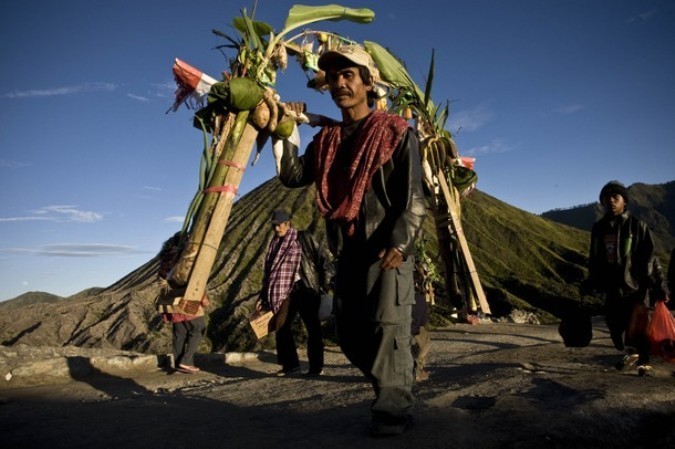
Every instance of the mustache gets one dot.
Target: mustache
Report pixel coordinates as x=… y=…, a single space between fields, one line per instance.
x=340 y=91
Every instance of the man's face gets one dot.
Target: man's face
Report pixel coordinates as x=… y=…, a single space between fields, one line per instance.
x=614 y=203
x=280 y=229
x=347 y=88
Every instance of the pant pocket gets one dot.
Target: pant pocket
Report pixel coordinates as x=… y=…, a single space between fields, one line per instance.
x=403 y=360
x=405 y=285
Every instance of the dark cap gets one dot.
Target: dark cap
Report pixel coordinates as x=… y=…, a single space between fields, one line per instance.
x=280 y=216
x=613 y=187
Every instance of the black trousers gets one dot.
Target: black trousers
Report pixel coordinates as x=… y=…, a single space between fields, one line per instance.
x=306 y=303
x=186 y=338
x=627 y=318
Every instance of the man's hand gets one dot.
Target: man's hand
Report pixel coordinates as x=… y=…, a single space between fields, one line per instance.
x=297 y=107
x=390 y=258
x=205 y=302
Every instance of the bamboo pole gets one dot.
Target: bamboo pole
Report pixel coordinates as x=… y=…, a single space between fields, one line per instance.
x=199 y=276
x=454 y=271
x=229 y=139
x=463 y=244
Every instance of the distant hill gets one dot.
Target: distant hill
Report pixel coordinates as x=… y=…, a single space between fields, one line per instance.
x=29 y=298
x=525 y=262
x=580 y=217
x=653 y=203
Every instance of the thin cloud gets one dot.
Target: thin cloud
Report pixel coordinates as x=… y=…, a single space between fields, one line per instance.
x=570 y=109
x=66 y=90
x=59 y=214
x=76 y=250
x=12 y=164
x=174 y=219
x=165 y=89
x=25 y=218
x=469 y=120
x=496 y=146
x=138 y=97
x=72 y=214
x=643 y=16
x=152 y=188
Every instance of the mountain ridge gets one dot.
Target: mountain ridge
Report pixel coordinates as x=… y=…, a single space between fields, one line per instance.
x=525 y=262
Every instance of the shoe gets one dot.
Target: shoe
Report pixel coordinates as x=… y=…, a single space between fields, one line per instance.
x=313 y=374
x=391 y=427
x=287 y=372
x=190 y=368
x=644 y=370
x=628 y=361
x=184 y=371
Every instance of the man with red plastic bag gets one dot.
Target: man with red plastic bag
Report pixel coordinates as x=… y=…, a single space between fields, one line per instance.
x=623 y=266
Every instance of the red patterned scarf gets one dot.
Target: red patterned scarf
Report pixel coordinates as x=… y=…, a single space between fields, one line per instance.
x=342 y=179
x=282 y=262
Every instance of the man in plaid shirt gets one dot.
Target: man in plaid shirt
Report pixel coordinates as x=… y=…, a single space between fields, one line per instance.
x=297 y=269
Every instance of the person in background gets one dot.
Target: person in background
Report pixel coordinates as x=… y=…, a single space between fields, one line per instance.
x=623 y=266
x=297 y=270
x=368 y=180
x=188 y=329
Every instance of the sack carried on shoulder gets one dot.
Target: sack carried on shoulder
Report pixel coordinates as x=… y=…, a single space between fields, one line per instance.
x=661 y=332
x=260 y=323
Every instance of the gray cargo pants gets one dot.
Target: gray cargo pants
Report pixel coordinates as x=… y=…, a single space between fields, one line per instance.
x=373 y=313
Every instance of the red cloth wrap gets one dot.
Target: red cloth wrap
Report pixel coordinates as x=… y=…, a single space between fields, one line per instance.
x=340 y=191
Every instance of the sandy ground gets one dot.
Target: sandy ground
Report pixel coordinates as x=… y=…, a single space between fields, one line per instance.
x=491 y=386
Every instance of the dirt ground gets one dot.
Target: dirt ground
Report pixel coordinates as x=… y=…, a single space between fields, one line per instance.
x=491 y=386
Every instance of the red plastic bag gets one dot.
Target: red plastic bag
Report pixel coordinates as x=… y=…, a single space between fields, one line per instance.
x=661 y=332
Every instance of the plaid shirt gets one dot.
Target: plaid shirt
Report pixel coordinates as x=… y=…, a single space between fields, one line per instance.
x=281 y=268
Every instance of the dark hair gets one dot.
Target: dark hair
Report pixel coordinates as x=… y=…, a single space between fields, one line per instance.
x=614 y=187
x=364 y=72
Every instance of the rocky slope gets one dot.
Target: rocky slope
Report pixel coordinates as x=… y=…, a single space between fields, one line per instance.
x=525 y=263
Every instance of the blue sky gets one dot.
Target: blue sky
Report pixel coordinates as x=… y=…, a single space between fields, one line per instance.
x=552 y=97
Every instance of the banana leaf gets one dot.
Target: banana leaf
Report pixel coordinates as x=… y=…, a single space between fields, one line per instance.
x=300 y=15
x=393 y=72
x=245 y=93
x=259 y=28
x=233 y=43
x=255 y=41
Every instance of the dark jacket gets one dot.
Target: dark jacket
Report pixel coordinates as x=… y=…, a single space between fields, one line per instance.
x=392 y=210
x=316 y=268
x=637 y=269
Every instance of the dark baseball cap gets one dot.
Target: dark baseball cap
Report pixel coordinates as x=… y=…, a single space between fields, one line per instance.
x=280 y=216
